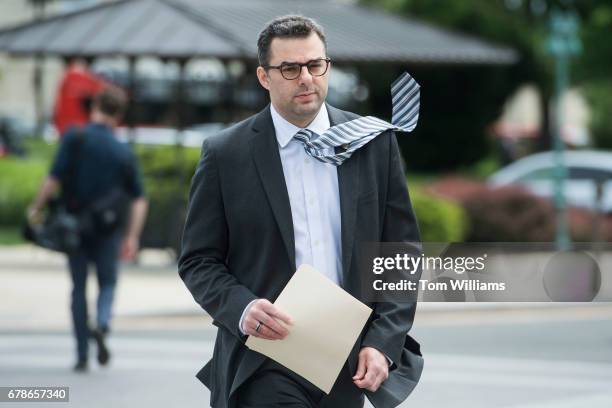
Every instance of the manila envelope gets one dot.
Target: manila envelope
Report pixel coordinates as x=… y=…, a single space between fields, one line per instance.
x=326 y=324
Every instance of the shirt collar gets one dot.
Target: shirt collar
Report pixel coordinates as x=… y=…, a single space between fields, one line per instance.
x=286 y=130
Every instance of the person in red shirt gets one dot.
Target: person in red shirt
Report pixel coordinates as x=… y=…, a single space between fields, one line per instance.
x=77 y=88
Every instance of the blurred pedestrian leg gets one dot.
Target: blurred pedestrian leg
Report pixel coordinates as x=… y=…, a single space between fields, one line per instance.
x=103 y=252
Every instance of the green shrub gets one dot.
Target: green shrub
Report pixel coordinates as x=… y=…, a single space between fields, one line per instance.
x=39 y=149
x=19 y=182
x=166 y=217
x=167 y=176
x=599 y=96
x=439 y=220
x=166 y=171
x=168 y=162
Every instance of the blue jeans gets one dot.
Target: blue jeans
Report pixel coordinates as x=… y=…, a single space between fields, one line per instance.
x=103 y=252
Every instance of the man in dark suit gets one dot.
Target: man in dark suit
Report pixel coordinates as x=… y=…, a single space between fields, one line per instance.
x=260 y=206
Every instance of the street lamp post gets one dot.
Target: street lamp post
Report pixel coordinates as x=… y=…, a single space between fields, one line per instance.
x=562 y=43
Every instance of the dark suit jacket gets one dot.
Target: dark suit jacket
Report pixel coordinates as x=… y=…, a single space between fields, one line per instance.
x=238 y=245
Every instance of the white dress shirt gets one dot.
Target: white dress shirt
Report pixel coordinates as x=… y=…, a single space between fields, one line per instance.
x=314 y=198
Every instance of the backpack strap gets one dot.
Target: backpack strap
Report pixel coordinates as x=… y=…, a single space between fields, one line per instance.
x=69 y=181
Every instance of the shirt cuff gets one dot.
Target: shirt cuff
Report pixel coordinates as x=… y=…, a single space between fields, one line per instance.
x=244 y=312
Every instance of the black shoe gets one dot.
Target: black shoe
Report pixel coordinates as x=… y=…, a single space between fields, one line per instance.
x=103 y=353
x=81 y=366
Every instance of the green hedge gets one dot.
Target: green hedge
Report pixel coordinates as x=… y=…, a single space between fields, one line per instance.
x=19 y=182
x=166 y=185
x=161 y=162
x=167 y=188
x=598 y=94
x=439 y=220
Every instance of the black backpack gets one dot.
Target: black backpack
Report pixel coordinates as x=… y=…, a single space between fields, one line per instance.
x=67 y=223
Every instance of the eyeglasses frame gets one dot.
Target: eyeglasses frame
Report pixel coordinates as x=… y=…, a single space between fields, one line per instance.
x=305 y=64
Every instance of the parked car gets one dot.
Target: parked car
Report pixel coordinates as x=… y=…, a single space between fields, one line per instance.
x=585 y=170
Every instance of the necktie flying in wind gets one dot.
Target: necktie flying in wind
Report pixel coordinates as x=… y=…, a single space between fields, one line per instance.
x=352 y=135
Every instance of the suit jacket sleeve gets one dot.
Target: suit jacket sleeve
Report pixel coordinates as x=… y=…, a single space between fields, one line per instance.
x=202 y=264
x=392 y=321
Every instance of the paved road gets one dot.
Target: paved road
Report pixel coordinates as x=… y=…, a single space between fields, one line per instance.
x=510 y=355
x=519 y=362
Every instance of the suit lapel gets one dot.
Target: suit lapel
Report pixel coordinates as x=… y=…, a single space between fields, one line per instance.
x=264 y=148
x=348 y=184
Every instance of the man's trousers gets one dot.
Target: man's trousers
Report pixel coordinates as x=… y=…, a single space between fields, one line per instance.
x=103 y=252
x=273 y=385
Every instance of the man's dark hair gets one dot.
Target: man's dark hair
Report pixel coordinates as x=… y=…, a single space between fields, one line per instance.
x=293 y=26
x=111 y=102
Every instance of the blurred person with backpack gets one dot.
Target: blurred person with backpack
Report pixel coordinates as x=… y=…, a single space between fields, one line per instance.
x=101 y=184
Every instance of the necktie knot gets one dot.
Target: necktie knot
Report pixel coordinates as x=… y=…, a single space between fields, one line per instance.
x=305 y=135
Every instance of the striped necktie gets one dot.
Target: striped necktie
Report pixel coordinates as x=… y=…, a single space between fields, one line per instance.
x=356 y=133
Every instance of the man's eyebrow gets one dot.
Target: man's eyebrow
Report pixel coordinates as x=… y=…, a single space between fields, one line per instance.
x=295 y=62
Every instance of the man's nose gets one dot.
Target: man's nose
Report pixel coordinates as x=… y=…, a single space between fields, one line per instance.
x=305 y=76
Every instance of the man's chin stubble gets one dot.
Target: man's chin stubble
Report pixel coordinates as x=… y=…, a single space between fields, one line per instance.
x=310 y=109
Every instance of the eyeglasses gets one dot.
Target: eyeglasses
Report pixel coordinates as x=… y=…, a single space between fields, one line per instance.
x=292 y=70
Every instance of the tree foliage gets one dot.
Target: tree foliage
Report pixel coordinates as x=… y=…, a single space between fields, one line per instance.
x=458 y=103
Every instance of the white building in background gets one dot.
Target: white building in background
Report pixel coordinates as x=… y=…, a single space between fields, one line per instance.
x=576 y=116
x=16 y=74
x=522 y=116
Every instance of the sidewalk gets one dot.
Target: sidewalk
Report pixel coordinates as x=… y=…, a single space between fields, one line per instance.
x=35 y=291
x=35 y=294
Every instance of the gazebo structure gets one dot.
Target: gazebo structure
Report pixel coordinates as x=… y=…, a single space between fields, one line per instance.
x=229 y=28
x=180 y=30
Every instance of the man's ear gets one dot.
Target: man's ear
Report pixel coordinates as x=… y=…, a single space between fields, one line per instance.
x=262 y=75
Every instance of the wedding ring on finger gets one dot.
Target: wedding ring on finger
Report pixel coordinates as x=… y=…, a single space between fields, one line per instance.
x=258 y=327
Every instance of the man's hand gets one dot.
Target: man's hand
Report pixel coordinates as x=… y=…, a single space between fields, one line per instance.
x=34 y=215
x=129 y=248
x=372 y=369
x=269 y=315
x=49 y=187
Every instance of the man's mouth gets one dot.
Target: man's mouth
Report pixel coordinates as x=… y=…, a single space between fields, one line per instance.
x=304 y=95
